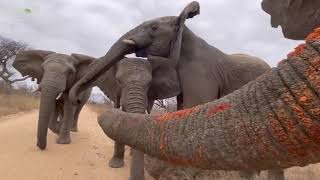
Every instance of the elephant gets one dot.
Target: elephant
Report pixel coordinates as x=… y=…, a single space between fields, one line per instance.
x=205 y=73
x=297 y=18
x=55 y=74
x=271 y=122
x=198 y=63
x=134 y=84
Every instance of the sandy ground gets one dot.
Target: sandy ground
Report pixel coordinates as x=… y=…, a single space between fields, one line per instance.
x=85 y=159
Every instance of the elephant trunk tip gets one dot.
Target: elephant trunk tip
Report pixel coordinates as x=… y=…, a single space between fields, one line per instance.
x=109 y=123
x=42 y=144
x=73 y=95
x=116 y=125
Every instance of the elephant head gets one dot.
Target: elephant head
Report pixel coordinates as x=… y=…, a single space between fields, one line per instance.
x=296 y=17
x=158 y=37
x=55 y=74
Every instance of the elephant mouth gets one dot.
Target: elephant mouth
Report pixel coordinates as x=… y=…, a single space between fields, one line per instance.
x=141 y=52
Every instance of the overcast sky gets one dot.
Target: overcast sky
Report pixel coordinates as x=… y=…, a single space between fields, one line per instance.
x=91 y=26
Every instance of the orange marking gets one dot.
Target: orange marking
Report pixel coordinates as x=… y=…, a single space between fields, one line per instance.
x=314 y=36
x=304 y=99
x=177 y=115
x=297 y=51
x=282 y=61
x=218 y=108
x=163 y=140
x=196 y=158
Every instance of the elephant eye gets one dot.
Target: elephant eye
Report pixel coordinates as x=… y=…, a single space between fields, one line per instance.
x=154 y=27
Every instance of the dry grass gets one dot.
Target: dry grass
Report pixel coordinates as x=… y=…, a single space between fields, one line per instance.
x=13 y=101
x=11 y=104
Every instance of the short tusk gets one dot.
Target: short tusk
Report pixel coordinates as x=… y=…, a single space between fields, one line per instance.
x=37 y=90
x=59 y=96
x=129 y=42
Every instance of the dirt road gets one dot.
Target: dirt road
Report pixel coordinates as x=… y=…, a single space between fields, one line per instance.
x=85 y=159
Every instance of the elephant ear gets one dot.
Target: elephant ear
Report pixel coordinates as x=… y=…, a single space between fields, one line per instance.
x=83 y=59
x=82 y=63
x=189 y=11
x=29 y=63
x=165 y=81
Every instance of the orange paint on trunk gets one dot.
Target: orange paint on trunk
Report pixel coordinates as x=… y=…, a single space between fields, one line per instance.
x=196 y=159
x=314 y=36
x=282 y=61
x=218 y=108
x=297 y=51
x=177 y=115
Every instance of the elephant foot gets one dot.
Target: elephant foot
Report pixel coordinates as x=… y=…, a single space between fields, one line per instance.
x=74 y=129
x=64 y=138
x=132 y=178
x=116 y=162
x=55 y=128
x=248 y=175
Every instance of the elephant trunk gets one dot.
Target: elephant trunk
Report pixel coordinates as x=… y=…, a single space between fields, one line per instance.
x=115 y=54
x=135 y=98
x=272 y=122
x=47 y=106
x=50 y=89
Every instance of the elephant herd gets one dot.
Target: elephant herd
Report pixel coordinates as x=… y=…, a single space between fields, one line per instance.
x=172 y=62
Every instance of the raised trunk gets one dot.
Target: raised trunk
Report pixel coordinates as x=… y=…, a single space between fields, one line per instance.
x=115 y=54
x=47 y=106
x=272 y=122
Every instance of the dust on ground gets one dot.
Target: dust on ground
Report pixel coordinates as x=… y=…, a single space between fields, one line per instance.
x=84 y=159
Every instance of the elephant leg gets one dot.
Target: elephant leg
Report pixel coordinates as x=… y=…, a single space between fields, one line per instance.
x=137 y=165
x=74 y=124
x=54 y=125
x=68 y=114
x=118 y=155
x=249 y=175
x=180 y=101
x=275 y=174
x=150 y=106
x=118 y=152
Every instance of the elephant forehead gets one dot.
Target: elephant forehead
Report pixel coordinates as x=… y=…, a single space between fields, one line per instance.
x=59 y=58
x=164 y=20
x=136 y=63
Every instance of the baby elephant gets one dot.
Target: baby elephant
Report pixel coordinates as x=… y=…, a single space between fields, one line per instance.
x=55 y=74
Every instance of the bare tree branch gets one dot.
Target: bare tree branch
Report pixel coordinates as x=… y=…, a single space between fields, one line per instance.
x=168 y=105
x=21 y=79
x=8 y=50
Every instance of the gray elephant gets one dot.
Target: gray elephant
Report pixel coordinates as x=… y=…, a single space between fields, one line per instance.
x=271 y=122
x=205 y=73
x=55 y=73
x=134 y=84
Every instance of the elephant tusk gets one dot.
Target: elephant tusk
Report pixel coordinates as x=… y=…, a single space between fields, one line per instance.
x=59 y=96
x=37 y=90
x=129 y=42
